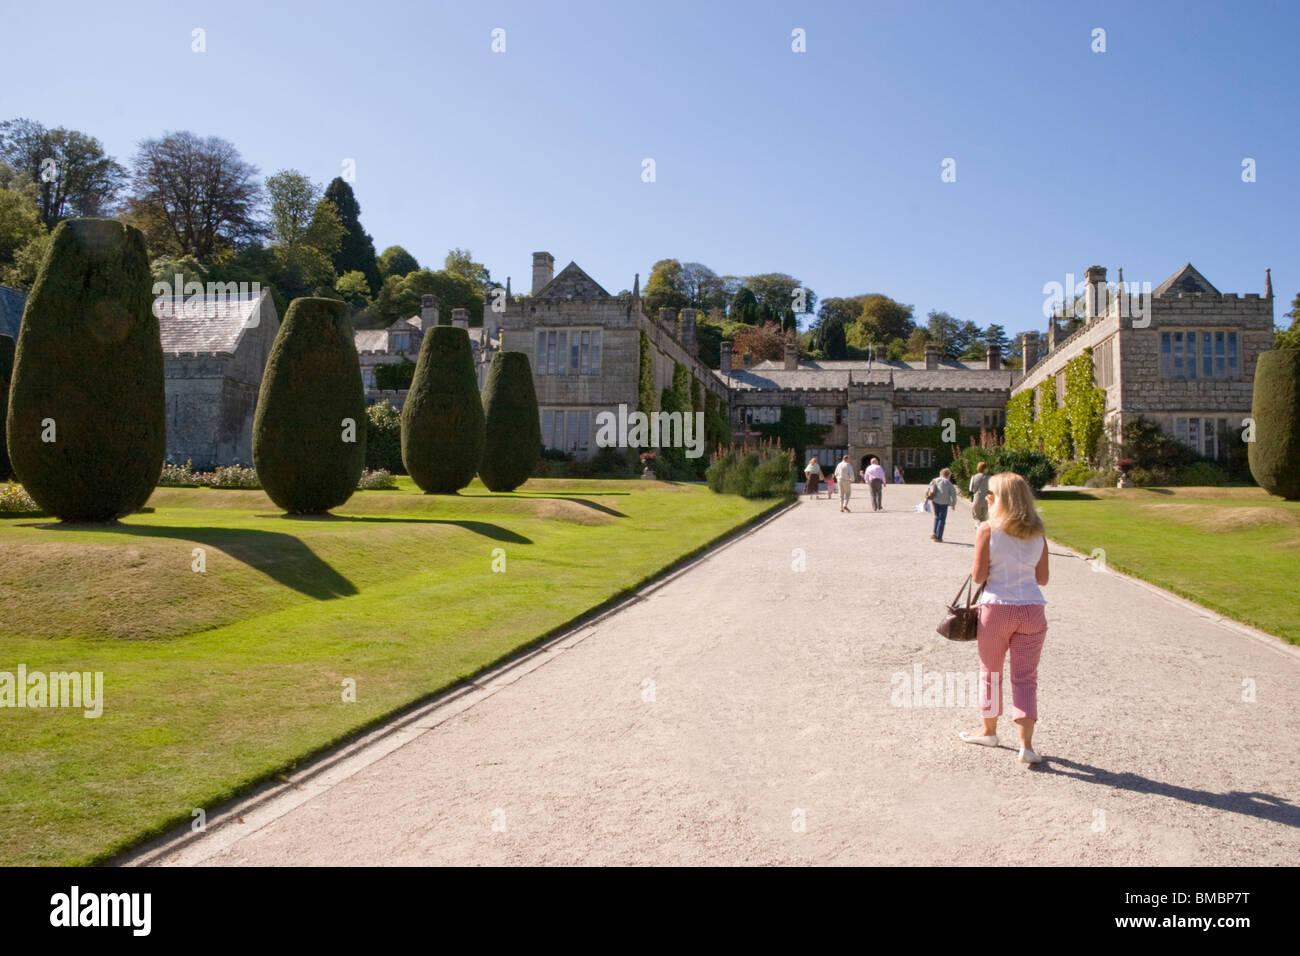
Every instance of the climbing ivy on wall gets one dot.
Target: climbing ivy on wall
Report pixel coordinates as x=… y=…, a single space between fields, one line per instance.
x=1020 y=421
x=646 y=380
x=1052 y=429
x=682 y=386
x=932 y=436
x=1067 y=433
x=1085 y=407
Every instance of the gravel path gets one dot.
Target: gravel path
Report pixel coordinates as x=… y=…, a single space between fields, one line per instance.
x=744 y=712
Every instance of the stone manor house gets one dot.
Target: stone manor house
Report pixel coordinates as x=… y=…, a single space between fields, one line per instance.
x=1186 y=361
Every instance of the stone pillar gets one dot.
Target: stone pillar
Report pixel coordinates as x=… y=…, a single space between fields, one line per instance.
x=460 y=318
x=995 y=358
x=725 y=355
x=667 y=319
x=428 y=312
x=1095 y=291
x=687 y=332
x=791 y=357
x=747 y=360
x=932 y=354
x=1030 y=346
x=543 y=270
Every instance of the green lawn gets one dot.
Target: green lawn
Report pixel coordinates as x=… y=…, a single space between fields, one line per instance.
x=216 y=680
x=1234 y=550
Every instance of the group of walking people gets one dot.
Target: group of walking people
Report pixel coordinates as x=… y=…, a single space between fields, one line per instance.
x=843 y=478
x=1009 y=567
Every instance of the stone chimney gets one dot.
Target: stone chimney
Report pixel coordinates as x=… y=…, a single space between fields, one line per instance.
x=724 y=350
x=747 y=360
x=543 y=270
x=995 y=358
x=1030 y=346
x=687 y=331
x=1095 y=291
x=932 y=355
x=428 y=312
x=791 y=357
x=460 y=318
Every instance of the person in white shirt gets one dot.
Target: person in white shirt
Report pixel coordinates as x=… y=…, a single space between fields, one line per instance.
x=844 y=478
x=876 y=475
x=898 y=476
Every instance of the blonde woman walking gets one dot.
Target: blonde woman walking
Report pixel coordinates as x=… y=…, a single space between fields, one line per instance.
x=1011 y=562
x=812 y=477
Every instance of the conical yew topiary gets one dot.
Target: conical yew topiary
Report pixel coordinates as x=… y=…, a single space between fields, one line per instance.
x=87 y=407
x=442 y=420
x=1275 y=453
x=512 y=429
x=6 y=373
x=309 y=432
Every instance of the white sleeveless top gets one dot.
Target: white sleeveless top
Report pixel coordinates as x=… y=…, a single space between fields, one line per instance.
x=1012 y=564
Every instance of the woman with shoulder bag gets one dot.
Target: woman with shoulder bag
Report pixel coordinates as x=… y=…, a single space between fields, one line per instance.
x=1011 y=562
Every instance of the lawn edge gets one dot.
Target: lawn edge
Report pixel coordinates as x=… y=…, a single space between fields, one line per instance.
x=162 y=834
x=1169 y=593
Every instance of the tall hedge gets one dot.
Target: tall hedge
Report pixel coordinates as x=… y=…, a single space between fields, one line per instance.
x=442 y=420
x=1275 y=452
x=512 y=428
x=86 y=425
x=309 y=432
x=6 y=373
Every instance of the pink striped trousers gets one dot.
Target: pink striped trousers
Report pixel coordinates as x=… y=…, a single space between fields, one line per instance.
x=1020 y=628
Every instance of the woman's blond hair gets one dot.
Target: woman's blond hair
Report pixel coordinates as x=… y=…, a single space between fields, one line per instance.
x=1013 y=510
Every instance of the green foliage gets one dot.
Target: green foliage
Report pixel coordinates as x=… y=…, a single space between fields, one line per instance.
x=21 y=273
x=665 y=289
x=384 y=438
x=305 y=452
x=1275 y=452
x=709 y=338
x=763 y=471
x=792 y=431
x=1032 y=465
x=231 y=476
x=378 y=480
x=394 y=375
x=89 y=364
x=461 y=262
x=1085 y=406
x=670 y=463
x=356 y=248
x=512 y=426
x=396 y=261
x=1157 y=457
x=646 y=378
x=1075 y=473
x=15 y=502
x=20 y=223
x=401 y=297
x=442 y=420
x=6 y=373
x=1201 y=473
x=1019 y=430
x=1052 y=427
x=354 y=289
x=88 y=179
x=933 y=436
x=1290 y=338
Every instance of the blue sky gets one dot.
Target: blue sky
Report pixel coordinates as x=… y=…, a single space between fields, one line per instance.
x=825 y=164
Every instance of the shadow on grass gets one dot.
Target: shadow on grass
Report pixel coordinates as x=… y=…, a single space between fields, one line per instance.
x=1261 y=805
x=485 y=528
x=279 y=556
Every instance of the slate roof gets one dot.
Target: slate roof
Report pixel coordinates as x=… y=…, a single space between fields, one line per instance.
x=1186 y=281
x=12 y=303
x=904 y=375
x=572 y=283
x=210 y=324
x=371 y=340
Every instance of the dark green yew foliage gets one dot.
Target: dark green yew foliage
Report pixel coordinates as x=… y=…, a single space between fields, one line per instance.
x=88 y=373
x=512 y=430
x=1275 y=453
x=6 y=373
x=311 y=390
x=442 y=420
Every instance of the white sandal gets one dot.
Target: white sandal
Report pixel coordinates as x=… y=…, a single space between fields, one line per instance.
x=989 y=741
x=1028 y=757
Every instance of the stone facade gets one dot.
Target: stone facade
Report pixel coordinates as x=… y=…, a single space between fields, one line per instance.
x=863 y=403
x=585 y=349
x=214 y=351
x=1142 y=351
x=12 y=303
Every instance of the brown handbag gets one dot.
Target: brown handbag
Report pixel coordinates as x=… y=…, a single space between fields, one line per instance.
x=962 y=621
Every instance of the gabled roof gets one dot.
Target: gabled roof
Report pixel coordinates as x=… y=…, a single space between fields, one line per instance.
x=1186 y=281
x=572 y=283
x=11 y=311
x=210 y=323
